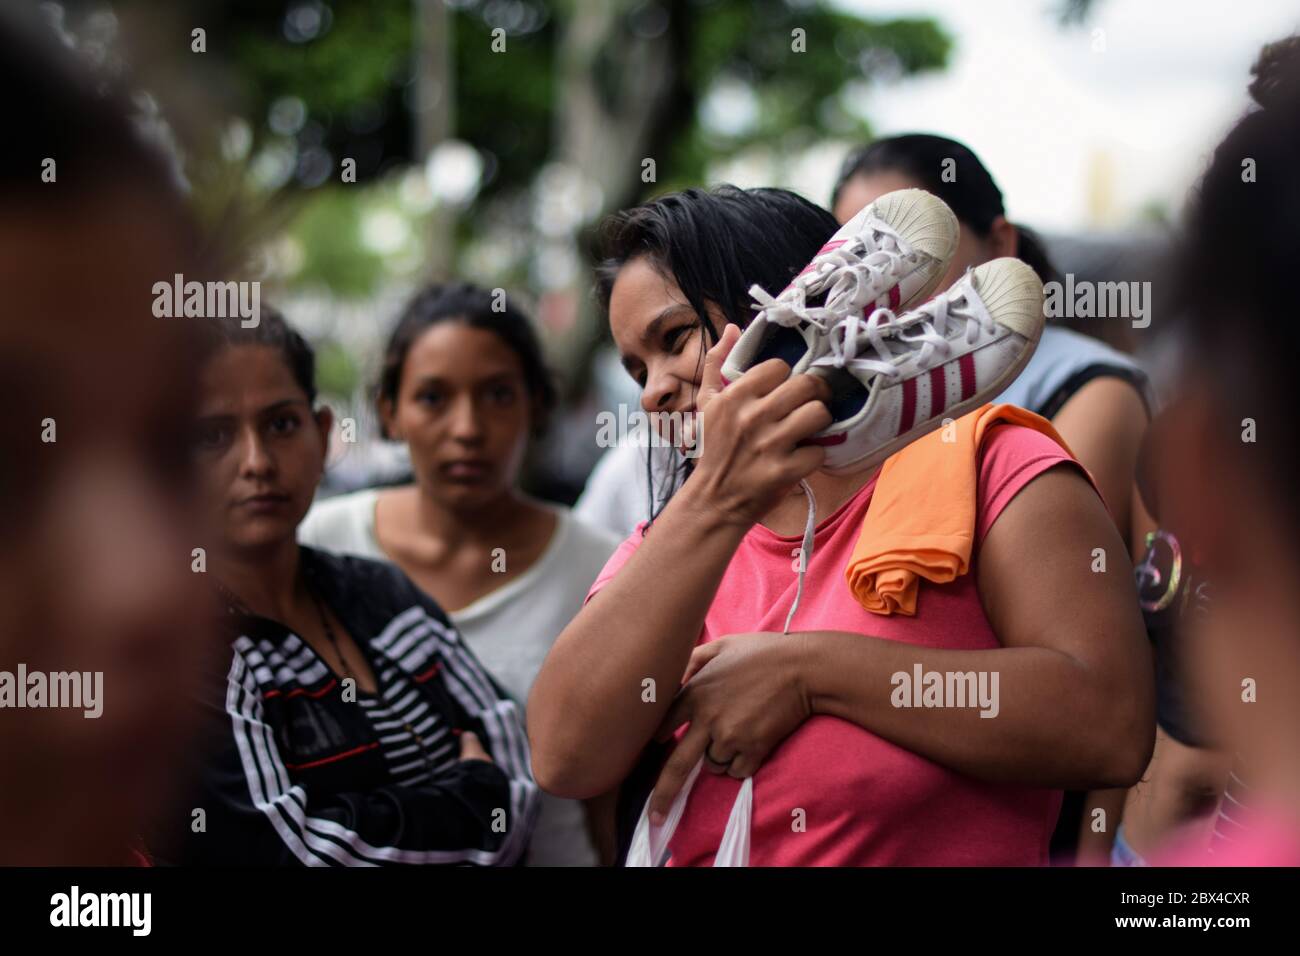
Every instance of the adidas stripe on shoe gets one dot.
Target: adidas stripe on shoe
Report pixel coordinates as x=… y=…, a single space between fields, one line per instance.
x=895 y=378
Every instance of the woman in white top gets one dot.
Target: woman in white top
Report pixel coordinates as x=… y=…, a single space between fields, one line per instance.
x=465 y=386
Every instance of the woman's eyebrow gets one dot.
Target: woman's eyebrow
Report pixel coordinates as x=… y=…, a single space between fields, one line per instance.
x=280 y=405
x=499 y=375
x=492 y=377
x=213 y=418
x=653 y=329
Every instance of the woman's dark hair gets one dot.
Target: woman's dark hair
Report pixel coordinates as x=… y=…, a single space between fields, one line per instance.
x=1234 y=279
x=273 y=331
x=477 y=308
x=714 y=244
x=970 y=191
x=59 y=110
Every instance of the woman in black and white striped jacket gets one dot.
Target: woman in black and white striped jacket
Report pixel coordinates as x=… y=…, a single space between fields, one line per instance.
x=347 y=722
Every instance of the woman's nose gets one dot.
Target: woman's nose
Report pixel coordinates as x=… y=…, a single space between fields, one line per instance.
x=466 y=420
x=659 y=392
x=254 y=457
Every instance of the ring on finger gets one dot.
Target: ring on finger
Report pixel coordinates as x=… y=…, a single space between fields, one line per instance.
x=708 y=755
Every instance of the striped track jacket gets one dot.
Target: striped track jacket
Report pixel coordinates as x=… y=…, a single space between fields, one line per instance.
x=293 y=773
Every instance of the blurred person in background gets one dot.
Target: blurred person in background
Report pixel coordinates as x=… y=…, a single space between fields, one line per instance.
x=465 y=387
x=1231 y=465
x=694 y=597
x=630 y=483
x=1098 y=398
x=95 y=561
x=1179 y=795
x=346 y=722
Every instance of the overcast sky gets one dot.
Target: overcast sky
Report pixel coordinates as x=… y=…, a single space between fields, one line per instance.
x=1076 y=138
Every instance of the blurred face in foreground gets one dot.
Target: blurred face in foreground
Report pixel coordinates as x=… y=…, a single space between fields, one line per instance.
x=259 y=449
x=95 y=561
x=1244 y=654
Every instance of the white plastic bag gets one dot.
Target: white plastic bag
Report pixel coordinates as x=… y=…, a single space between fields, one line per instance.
x=650 y=843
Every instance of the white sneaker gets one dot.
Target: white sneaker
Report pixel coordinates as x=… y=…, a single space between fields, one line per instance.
x=896 y=378
x=892 y=254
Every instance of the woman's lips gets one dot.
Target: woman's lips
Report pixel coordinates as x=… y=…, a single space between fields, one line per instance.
x=263 y=504
x=468 y=470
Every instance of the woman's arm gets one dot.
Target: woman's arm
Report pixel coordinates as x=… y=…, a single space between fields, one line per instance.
x=602 y=826
x=255 y=814
x=1180 y=790
x=1075 y=702
x=612 y=673
x=1103 y=423
x=1095 y=845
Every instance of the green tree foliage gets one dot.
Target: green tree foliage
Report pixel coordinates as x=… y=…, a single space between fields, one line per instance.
x=354 y=73
x=316 y=81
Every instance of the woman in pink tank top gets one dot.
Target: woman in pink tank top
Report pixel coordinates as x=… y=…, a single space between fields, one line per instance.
x=847 y=768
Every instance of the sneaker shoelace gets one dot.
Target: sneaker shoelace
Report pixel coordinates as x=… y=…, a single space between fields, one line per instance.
x=890 y=339
x=937 y=324
x=805 y=554
x=849 y=272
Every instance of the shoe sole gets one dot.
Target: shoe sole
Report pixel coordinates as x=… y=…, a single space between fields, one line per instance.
x=899 y=204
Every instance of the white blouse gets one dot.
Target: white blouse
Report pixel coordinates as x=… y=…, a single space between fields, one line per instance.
x=510 y=629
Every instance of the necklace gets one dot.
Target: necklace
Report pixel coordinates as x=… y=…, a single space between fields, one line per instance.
x=329 y=634
x=235 y=606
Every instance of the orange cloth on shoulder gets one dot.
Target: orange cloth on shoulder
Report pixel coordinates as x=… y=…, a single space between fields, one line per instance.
x=921 y=520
